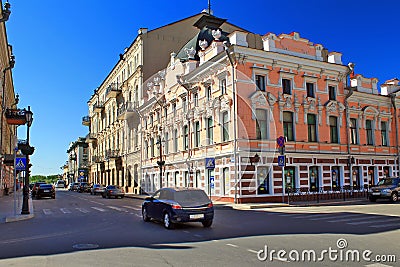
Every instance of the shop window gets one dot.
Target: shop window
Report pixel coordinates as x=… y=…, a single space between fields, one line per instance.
x=335 y=174
x=314 y=179
x=290 y=179
x=263 y=181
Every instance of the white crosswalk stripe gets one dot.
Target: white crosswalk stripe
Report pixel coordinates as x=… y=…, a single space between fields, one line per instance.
x=82 y=210
x=348 y=218
x=47 y=211
x=99 y=209
x=133 y=208
x=117 y=208
x=63 y=210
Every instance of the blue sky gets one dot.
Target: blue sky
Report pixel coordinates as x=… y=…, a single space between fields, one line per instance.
x=65 y=49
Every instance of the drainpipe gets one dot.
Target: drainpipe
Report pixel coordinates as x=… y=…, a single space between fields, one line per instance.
x=350 y=93
x=226 y=46
x=393 y=100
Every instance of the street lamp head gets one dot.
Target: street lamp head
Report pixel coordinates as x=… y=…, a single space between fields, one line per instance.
x=29 y=117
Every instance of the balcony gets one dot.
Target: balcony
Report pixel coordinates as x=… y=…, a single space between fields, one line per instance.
x=128 y=110
x=112 y=154
x=113 y=90
x=98 y=107
x=91 y=138
x=97 y=159
x=86 y=121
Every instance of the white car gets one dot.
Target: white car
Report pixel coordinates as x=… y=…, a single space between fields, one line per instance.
x=60 y=184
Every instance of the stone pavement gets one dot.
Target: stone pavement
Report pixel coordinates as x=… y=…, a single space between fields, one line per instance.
x=11 y=213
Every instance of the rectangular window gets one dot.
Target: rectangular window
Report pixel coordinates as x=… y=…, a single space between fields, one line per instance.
x=208 y=92
x=261 y=124
x=198 y=181
x=176 y=174
x=310 y=90
x=174 y=109
x=335 y=172
x=222 y=86
x=353 y=131
x=152 y=147
x=196 y=99
x=225 y=126
x=368 y=128
x=333 y=125
x=263 y=181
x=290 y=178
x=186 y=137
x=288 y=125
x=210 y=130
x=184 y=105
x=166 y=148
x=287 y=86
x=314 y=179
x=226 y=184
x=165 y=113
x=197 y=134
x=332 y=92
x=175 y=140
x=312 y=128
x=384 y=137
x=260 y=82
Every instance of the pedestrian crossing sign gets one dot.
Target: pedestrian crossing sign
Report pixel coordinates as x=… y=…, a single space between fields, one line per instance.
x=20 y=163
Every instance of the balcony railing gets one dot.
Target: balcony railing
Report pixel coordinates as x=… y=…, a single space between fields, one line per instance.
x=113 y=90
x=112 y=154
x=127 y=109
x=86 y=121
x=98 y=107
x=91 y=138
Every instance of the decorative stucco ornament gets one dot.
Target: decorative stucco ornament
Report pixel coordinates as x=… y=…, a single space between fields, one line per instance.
x=203 y=44
x=216 y=34
x=190 y=52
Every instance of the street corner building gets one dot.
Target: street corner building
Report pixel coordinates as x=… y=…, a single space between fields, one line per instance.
x=201 y=103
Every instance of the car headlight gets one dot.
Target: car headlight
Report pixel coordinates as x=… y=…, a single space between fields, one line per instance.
x=386 y=191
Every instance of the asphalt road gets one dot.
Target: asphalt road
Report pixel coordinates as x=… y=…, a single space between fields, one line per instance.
x=78 y=229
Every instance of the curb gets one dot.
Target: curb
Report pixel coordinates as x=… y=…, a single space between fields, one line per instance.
x=22 y=217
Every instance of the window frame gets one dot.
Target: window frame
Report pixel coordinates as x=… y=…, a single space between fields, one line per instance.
x=310 y=89
x=286 y=86
x=225 y=126
x=286 y=129
x=262 y=124
x=260 y=81
x=353 y=132
x=369 y=134
x=312 y=128
x=334 y=129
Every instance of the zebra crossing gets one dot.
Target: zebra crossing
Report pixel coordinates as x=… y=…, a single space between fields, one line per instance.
x=354 y=219
x=125 y=209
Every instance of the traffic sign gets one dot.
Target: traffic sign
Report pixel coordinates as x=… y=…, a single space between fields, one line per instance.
x=281 y=161
x=280 y=141
x=20 y=163
x=210 y=163
x=212 y=181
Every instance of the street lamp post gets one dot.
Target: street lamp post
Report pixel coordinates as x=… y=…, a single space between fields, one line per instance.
x=29 y=151
x=160 y=162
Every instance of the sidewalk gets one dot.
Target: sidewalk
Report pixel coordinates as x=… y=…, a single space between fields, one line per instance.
x=247 y=206
x=7 y=211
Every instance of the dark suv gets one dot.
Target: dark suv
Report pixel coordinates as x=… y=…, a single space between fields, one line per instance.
x=83 y=187
x=388 y=188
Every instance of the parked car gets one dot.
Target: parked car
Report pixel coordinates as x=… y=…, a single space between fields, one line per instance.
x=113 y=191
x=83 y=187
x=178 y=205
x=73 y=186
x=96 y=189
x=387 y=188
x=60 y=184
x=36 y=187
x=46 y=190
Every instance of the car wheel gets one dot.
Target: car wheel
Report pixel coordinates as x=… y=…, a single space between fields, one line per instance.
x=167 y=221
x=207 y=223
x=394 y=197
x=372 y=199
x=145 y=217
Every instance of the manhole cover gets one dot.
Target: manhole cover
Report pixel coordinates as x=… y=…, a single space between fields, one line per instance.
x=85 y=246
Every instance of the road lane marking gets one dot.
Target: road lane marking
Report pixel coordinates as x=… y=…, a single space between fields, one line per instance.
x=116 y=208
x=384 y=225
x=232 y=245
x=350 y=218
x=63 y=210
x=97 y=208
x=47 y=211
x=376 y=220
x=312 y=215
x=82 y=210
x=185 y=231
x=97 y=202
x=252 y=251
x=197 y=235
x=334 y=217
x=132 y=208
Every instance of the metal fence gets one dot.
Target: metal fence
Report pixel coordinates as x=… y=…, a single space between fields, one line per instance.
x=326 y=193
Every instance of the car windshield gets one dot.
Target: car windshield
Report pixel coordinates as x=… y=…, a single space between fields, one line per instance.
x=387 y=181
x=111 y=187
x=191 y=197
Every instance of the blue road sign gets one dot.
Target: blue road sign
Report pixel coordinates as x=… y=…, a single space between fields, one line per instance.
x=280 y=141
x=20 y=163
x=281 y=161
x=212 y=181
x=210 y=163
